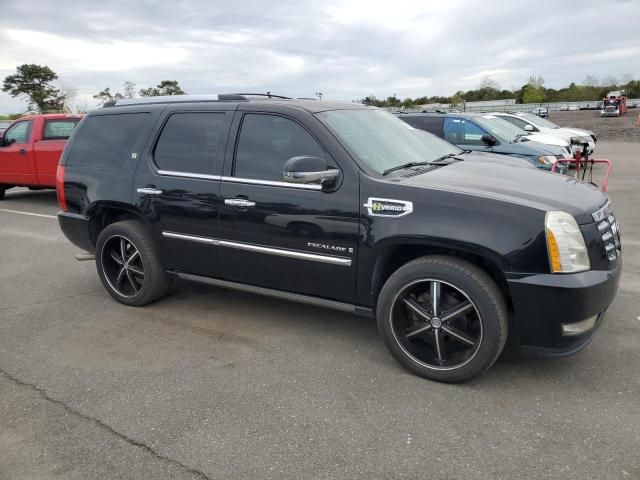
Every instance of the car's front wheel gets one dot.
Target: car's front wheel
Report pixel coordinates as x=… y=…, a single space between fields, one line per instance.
x=129 y=265
x=442 y=318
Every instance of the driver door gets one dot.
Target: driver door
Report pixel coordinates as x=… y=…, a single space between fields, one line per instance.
x=15 y=157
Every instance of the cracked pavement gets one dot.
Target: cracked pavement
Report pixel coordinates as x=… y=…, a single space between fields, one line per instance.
x=210 y=383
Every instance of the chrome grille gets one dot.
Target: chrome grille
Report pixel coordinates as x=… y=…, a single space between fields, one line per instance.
x=609 y=231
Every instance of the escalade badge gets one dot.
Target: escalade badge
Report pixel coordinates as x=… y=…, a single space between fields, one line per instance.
x=387 y=207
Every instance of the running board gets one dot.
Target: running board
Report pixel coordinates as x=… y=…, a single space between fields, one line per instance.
x=295 y=297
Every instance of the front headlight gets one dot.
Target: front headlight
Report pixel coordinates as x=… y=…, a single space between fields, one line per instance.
x=565 y=244
x=547 y=159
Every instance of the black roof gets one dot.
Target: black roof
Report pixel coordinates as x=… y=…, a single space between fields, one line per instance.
x=312 y=106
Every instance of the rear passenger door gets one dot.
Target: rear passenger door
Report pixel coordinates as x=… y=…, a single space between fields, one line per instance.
x=177 y=187
x=286 y=236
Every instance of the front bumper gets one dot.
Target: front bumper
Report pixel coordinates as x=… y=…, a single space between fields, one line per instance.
x=543 y=303
x=77 y=230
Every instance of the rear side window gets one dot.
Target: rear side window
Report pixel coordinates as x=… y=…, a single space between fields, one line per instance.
x=191 y=142
x=424 y=122
x=59 y=129
x=267 y=142
x=107 y=141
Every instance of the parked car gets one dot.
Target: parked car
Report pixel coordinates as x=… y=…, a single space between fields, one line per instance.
x=573 y=108
x=532 y=123
x=4 y=124
x=541 y=112
x=30 y=149
x=488 y=133
x=451 y=256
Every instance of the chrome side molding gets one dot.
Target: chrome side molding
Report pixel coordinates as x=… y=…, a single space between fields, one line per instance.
x=282 y=252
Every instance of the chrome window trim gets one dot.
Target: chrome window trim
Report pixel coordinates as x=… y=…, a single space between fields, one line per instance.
x=199 y=176
x=282 y=252
x=272 y=183
x=252 y=181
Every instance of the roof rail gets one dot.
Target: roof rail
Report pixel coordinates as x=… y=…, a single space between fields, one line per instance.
x=268 y=95
x=163 y=99
x=229 y=97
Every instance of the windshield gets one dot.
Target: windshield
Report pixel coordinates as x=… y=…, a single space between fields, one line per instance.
x=381 y=141
x=536 y=120
x=500 y=128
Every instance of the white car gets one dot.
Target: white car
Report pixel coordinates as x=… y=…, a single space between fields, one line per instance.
x=573 y=108
x=533 y=123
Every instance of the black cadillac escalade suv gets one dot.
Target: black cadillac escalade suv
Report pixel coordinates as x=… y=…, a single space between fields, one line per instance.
x=342 y=206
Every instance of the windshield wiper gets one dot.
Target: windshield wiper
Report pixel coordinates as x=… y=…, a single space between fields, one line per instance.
x=405 y=165
x=438 y=161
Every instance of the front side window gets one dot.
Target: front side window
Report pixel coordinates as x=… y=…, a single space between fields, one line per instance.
x=266 y=142
x=59 y=129
x=191 y=142
x=462 y=132
x=18 y=133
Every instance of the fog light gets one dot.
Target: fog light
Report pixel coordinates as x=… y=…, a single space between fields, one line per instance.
x=578 y=328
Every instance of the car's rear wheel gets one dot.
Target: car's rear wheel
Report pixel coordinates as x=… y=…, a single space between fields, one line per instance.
x=129 y=265
x=3 y=189
x=442 y=318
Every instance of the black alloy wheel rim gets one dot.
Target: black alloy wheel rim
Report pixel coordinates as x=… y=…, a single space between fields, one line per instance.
x=122 y=266
x=436 y=324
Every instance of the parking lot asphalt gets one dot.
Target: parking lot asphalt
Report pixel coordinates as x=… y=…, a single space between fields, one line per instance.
x=211 y=383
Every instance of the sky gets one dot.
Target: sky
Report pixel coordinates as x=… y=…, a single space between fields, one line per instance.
x=346 y=49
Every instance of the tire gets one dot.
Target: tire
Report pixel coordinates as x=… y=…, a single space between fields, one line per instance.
x=122 y=278
x=2 y=190
x=446 y=347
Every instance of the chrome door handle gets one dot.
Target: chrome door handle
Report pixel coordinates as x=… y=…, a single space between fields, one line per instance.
x=149 y=191
x=239 y=202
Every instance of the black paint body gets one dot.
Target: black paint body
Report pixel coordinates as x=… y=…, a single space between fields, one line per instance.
x=491 y=215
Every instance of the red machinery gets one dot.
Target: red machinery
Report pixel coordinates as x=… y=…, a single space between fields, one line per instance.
x=583 y=163
x=614 y=104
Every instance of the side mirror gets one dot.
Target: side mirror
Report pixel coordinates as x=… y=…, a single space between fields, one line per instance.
x=488 y=139
x=309 y=170
x=529 y=128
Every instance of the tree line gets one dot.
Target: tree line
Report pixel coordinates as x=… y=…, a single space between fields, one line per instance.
x=533 y=91
x=35 y=84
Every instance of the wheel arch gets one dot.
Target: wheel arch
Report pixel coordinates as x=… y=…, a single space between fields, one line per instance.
x=393 y=256
x=103 y=214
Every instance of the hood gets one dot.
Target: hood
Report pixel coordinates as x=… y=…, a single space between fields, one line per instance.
x=534 y=148
x=504 y=160
x=578 y=131
x=548 y=139
x=530 y=187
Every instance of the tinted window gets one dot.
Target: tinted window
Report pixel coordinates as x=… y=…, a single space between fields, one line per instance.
x=191 y=142
x=461 y=131
x=107 y=141
x=19 y=133
x=59 y=129
x=267 y=142
x=415 y=122
x=428 y=123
